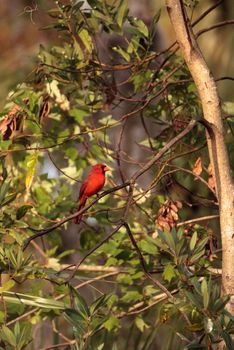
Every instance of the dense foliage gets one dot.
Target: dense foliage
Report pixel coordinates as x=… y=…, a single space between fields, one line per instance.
x=160 y=268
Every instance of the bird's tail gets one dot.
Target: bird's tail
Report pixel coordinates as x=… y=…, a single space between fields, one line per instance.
x=78 y=218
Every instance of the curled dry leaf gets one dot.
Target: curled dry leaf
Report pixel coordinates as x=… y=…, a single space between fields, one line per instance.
x=168 y=215
x=197 y=168
x=45 y=108
x=12 y=123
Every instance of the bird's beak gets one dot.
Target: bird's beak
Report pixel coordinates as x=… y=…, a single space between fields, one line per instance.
x=106 y=168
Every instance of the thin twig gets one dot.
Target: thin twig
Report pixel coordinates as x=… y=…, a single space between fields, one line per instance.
x=214 y=26
x=205 y=13
x=60 y=170
x=59 y=346
x=193 y=221
x=92 y=268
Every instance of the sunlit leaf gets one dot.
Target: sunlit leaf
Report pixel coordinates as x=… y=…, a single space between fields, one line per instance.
x=169 y=273
x=205 y=293
x=8 y=336
x=193 y=241
x=31 y=168
x=7 y=285
x=31 y=300
x=111 y=323
x=86 y=39
x=122 y=11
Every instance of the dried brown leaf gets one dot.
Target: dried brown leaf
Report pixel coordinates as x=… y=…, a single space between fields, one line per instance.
x=197 y=168
x=167 y=215
x=12 y=122
x=45 y=109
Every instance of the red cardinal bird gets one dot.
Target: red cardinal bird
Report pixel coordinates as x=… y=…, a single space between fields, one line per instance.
x=91 y=185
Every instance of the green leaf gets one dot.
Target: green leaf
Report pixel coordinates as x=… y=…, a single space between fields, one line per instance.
x=199 y=250
x=31 y=168
x=97 y=323
x=92 y=3
x=140 y=323
x=7 y=285
x=140 y=26
x=4 y=170
x=75 y=319
x=86 y=39
x=169 y=273
x=220 y=304
x=121 y=52
x=111 y=261
x=78 y=51
x=147 y=247
x=22 y=211
x=121 y=13
x=193 y=241
x=156 y=17
x=8 y=199
x=167 y=237
x=80 y=304
x=3 y=190
x=2 y=317
x=33 y=300
x=194 y=298
x=79 y=114
x=24 y=336
x=228 y=340
x=205 y=293
x=132 y=296
x=195 y=327
x=201 y=245
x=124 y=278
x=8 y=336
x=197 y=285
x=17 y=329
x=98 y=303
x=111 y=323
x=197 y=256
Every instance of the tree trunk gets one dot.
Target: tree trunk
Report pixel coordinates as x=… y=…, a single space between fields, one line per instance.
x=216 y=140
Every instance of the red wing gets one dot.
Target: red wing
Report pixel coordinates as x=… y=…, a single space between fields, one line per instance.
x=92 y=184
x=85 y=186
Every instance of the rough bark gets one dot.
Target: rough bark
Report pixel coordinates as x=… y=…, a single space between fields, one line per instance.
x=210 y=101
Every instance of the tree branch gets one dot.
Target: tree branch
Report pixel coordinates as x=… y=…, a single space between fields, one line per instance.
x=208 y=93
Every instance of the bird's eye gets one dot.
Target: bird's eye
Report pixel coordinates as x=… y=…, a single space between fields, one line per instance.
x=105 y=168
